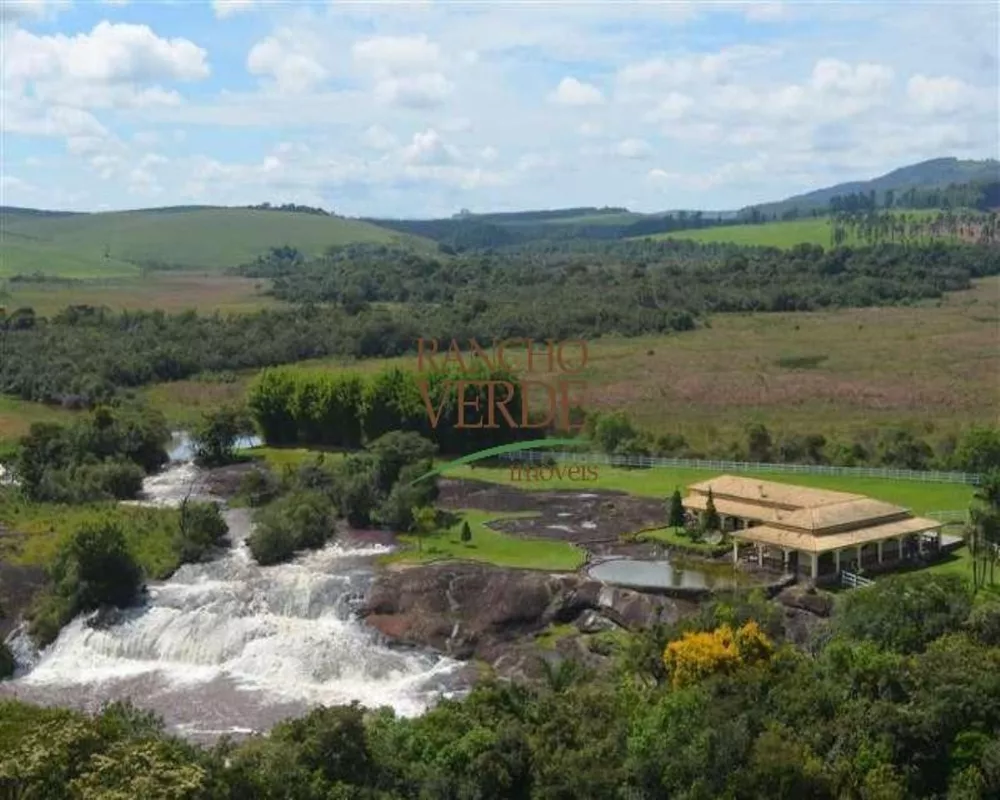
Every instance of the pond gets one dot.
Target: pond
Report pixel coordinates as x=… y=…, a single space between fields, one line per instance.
x=661 y=574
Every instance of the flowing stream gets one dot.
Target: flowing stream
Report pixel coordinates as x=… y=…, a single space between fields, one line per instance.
x=228 y=646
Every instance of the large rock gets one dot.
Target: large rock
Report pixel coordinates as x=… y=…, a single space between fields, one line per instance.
x=477 y=611
x=807 y=598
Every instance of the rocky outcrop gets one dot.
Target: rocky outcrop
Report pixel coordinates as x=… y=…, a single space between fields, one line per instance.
x=472 y=610
x=807 y=598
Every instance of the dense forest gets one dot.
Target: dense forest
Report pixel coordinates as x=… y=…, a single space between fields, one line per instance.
x=980 y=196
x=895 y=697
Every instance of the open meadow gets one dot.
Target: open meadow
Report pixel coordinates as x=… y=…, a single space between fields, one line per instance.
x=933 y=365
x=172 y=292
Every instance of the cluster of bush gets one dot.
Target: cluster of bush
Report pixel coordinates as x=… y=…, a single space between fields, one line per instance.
x=377 y=486
x=102 y=456
x=975 y=450
x=896 y=696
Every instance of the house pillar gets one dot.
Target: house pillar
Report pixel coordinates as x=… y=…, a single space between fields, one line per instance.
x=836 y=561
x=902 y=547
x=760 y=555
x=920 y=543
x=860 y=562
x=814 y=564
x=736 y=552
x=879 y=544
x=784 y=559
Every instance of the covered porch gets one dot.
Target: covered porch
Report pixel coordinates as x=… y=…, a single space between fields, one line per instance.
x=827 y=556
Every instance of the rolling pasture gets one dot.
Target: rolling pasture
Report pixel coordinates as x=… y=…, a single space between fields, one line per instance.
x=121 y=244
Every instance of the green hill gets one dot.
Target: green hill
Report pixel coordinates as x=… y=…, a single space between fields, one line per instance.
x=935 y=173
x=122 y=243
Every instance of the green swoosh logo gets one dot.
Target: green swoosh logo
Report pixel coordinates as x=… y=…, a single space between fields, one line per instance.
x=534 y=444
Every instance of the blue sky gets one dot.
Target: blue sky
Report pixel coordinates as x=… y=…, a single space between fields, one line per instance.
x=420 y=109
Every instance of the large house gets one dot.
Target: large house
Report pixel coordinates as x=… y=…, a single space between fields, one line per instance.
x=812 y=531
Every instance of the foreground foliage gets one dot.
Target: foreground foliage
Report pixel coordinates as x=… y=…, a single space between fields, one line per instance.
x=843 y=718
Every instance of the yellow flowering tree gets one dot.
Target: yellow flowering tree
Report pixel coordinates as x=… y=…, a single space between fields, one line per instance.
x=697 y=655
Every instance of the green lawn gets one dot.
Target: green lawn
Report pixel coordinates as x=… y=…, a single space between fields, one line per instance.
x=772 y=234
x=490 y=546
x=661 y=482
x=672 y=537
x=149 y=531
x=277 y=458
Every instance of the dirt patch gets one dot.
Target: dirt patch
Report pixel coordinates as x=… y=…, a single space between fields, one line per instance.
x=580 y=517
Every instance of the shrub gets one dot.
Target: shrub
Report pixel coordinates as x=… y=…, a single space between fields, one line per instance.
x=201 y=528
x=297 y=521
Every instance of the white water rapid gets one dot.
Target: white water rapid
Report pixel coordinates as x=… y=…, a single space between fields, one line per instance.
x=231 y=647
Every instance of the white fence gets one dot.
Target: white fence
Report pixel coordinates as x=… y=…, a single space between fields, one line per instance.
x=854 y=581
x=927 y=476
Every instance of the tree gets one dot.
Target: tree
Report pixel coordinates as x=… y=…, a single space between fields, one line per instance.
x=758 y=443
x=466 y=532
x=676 y=510
x=201 y=528
x=700 y=654
x=216 y=435
x=711 y=521
x=424 y=523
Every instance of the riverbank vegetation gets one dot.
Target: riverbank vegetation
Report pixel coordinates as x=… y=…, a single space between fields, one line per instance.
x=379 y=485
x=886 y=700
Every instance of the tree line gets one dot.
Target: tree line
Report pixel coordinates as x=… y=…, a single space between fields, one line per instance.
x=975 y=450
x=345 y=410
x=895 y=696
x=874 y=228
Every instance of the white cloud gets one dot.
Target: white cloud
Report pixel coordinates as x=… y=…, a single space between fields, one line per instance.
x=941 y=95
x=427 y=149
x=378 y=138
x=16 y=11
x=635 y=149
x=284 y=59
x=407 y=70
x=228 y=8
x=424 y=90
x=767 y=11
x=391 y=55
x=571 y=92
x=114 y=66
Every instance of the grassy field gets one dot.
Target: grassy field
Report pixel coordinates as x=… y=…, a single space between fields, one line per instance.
x=149 y=532
x=932 y=366
x=661 y=482
x=117 y=244
x=172 y=292
x=17 y=416
x=773 y=234
x=489 y=546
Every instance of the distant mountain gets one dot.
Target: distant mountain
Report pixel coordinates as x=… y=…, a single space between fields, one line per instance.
x=935 y=173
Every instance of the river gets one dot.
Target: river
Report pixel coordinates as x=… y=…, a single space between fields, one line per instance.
x=230 y=647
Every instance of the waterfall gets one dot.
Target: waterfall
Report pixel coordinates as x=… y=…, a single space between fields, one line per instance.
x=230 y=646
